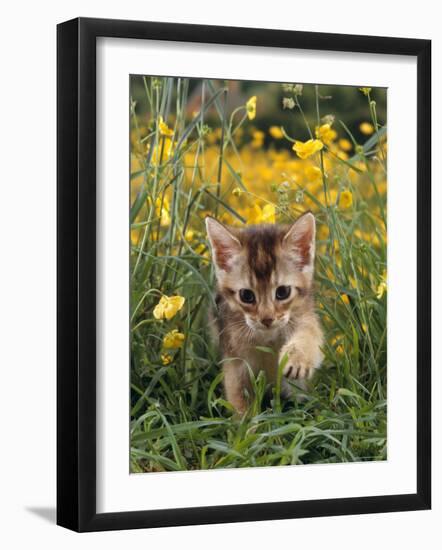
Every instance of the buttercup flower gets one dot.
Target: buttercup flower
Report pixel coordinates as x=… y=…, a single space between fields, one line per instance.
x=258 y=139
x=382 y=286
x=168 y=307
x=251 y=107
x=307 y=149
x=256 y=214
x=166 y=358
x=189 y=235
x=268 y=213
x=345 y=299
x=325 y=133
x=276 y=132
x=313 y=174
x=173 y=339
x=346 y=199
x=365 y=91
x=345 y=144
x=366 y=128
x=164 y=129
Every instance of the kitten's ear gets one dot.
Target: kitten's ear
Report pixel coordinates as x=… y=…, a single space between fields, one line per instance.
x=225 y=246
x=299 y=241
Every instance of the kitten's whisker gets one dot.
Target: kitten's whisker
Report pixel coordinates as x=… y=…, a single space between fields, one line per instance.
x=236 y=324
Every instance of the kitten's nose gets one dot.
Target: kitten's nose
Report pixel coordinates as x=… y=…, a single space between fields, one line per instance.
x=267 y=321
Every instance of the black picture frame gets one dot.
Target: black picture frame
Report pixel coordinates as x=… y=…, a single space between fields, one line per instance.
x=76 y=273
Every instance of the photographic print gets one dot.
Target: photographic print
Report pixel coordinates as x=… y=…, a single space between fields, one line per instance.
x=258 y=273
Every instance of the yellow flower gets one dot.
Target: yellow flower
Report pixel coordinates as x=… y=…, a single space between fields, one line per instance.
x=366 y=128
x=173 y=339
x=325 y=133
x=345 y=144
x=313 y=174
x=166 y=358
x=168 y=307
x=365 y=91
x=256 y=214
x=162 y=208
x=382 y=288
x=237 y=191
x=345 y=299
x=201 y=249
x=307 y=149
x=258 y=139
x=276 y=132
x=340 y=349
x=268 y=213
x=364 y=328
x=189 y=234
x=251 y=107
x=162 y=152
x=134 y=236
x=323 y=232
x=346 y=199
x=164 y=129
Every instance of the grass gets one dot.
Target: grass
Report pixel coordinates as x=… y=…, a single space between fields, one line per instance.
x=185 y=165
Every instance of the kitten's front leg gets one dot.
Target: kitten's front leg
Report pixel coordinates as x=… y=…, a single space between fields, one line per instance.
x=303 y=351
x=236 y=381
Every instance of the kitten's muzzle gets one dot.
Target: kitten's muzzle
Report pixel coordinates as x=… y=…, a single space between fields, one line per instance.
x=267 y=322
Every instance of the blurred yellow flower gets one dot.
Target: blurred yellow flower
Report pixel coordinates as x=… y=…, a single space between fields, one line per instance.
x=313 y=173
x=345 y=144
x=366 y=128
x=189 y=235
x=162 y=152
x=166 y=358
x=365 y=91
x=162 y=209
x=345 y=299
x=325 y=133
x=268 y=213
x=256 y=214
x=164 y=129
x=382 y=288
x=173 y=339
x=323 y=232
x=346 y=199
x=257 y=139
x=276 y=132
x=134 y=235
x=202 y=250
x=251 y=107
x=168 y=307
x=308 y=148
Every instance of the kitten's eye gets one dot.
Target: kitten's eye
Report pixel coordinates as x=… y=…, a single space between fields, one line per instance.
x=282 y=292
x=247 y=296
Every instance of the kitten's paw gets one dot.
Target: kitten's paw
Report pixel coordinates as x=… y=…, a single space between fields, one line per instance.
x=299 y=366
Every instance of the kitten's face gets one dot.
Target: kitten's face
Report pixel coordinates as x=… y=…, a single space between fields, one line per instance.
x=264 y=272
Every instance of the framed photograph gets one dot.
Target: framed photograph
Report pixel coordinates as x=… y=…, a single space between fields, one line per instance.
x=243 y=274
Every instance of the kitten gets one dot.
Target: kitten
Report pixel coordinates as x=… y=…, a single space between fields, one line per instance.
x=264 y=295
